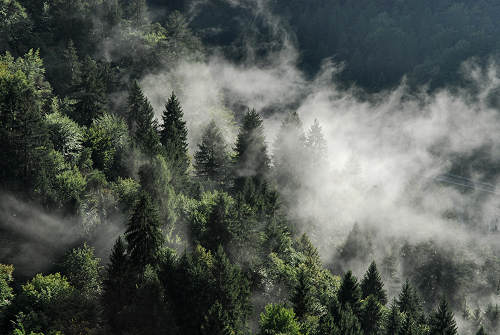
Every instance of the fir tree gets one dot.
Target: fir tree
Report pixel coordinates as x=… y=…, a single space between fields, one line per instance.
x=252 y=161
x=371 y=316
x=372 y=285
x=211 y=159
x=393 y=320
x=141 y=121
x=89 y=94
x=316 y=145
x=173 y=137
x=302 y=292
x=71 y=73
x=143 y=233
x=408 y=301
x=348 y=322
x=442 y=322
x=408 y=327
x=349 y=293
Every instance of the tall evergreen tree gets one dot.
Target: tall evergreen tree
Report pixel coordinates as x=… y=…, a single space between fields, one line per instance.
x=371 y=316
x=116 y=285
x=348 y=323
x=316 y=144
x=408 y=301
x=212 y=159
x=408 y=327
x=481 y=331
x=173 y=137
x=90 y=94
x=288 y=154
x=141 y=121
x=252 y=161
x=301 y=296
x=442 y=322
x=393 y=320
x=143 y=233
x=71 y=71
x=349 y=293
x=372 y=285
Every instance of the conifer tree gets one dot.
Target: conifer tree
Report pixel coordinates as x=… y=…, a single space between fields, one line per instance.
x=408 y=301
x=212 y=159
x=90 y=93
x=252 y=161
x=372 y=285
x=141 y=121
x=288 y=154
x=408 y=327
x=371 y=316
x=348 y=323
x=349 y=293
x=393 y=321
x=442 y=322
x=302 y=293
x=173 y=137
x=71 y=74
x=143 y=233
x=116 y=285
x=316 y=144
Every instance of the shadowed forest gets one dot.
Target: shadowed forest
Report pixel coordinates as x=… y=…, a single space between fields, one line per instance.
x=321 y=167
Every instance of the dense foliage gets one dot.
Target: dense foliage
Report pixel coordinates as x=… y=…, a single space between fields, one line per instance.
x=202 y=243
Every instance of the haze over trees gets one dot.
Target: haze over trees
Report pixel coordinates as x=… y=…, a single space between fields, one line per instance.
x=156 y=235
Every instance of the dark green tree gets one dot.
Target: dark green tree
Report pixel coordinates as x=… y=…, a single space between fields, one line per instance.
x=141 y=121
x=442 y=322
x=212 y=159
x=143 y=235
x=371 y=316
x=349 y=293
x=301 y=296
x=90 y=94
x=393 y=320
x=348 y=323
x=173 y=137
x=372 y=285
x=117 y=287
x=409 y=301
x=408 y=327
x=481 y=331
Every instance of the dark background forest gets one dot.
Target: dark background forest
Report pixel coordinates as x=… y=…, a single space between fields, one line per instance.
x=249 y=167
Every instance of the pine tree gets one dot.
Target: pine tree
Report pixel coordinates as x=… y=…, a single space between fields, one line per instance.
x=371 y=316
x=173 y=137
x=141 y=121
x=409 y=327
x=316 y=144
x=349 y=293
x=143 y=233
x=393 y=321
x=212 y=159
x=408 y=301
x=442 y=322
x=116 y=285
x=71 y=73
x=348 y=323
x=288 y=154
x=252 y=161
x=301 y=296
x=90 y=94
x=372 y=285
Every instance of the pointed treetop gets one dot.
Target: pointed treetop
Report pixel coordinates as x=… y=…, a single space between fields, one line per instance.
x=372 y=284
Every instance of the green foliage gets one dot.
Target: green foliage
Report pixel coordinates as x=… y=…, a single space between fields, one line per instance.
x=173 y=137
x=393 y=320
x=371 y=316
x=372 y=285
x=66 y=136
x=408 y=301
x=143 y=235
x=141 y=121
x=211 y=158
x=109 y=140
x=278 y=320
x=442 y=322
x=349 y=293
x=6 y=291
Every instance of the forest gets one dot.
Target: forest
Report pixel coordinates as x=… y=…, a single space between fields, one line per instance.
x=321 y=167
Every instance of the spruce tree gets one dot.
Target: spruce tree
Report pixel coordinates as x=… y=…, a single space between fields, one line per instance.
x=251 y=161
x=288 y=153
x=212 y=159
x=442 y=322
x=71 y=74
x=89 y=94
x=393 y=320
x=372 y=285
x=173 y=137
x=371 y=316
x=316 y=145
x=141 y=121
x=349 y=293
x=408 y=327
x=408 y=301
x=348 y=323
x=143 y=235
x=301 y=296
